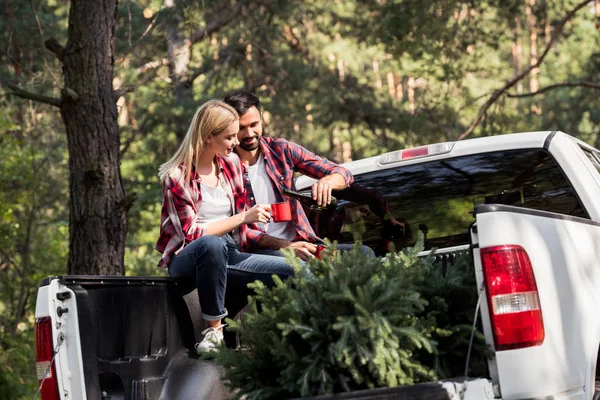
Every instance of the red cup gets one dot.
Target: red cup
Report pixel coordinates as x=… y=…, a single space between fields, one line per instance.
x=319 y=252
x=281 y=211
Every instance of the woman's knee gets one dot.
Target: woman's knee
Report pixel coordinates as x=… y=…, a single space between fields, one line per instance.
x=208 y=243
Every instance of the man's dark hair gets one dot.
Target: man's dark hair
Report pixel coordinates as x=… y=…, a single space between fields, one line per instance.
x=242 y=101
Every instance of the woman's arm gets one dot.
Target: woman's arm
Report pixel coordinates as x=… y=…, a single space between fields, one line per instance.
x=187 y=212
x=258 y=213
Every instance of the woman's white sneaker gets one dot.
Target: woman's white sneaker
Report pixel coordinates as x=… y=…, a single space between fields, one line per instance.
x=213 y=339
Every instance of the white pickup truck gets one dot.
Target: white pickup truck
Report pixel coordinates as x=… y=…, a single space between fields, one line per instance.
x=526 y=206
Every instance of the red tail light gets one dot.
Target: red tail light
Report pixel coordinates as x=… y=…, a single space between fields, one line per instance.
x=44 y=352
x=513 y=298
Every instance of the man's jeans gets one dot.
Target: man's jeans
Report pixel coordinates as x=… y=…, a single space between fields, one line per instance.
x=212 y=260
x=366 y=250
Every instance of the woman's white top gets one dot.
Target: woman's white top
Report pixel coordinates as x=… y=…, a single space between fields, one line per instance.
x=215 y=204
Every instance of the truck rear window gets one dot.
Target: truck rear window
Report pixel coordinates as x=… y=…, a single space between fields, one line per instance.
x=438 y=198
x=594 y=158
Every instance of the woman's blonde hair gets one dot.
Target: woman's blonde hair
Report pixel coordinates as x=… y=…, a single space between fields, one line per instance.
x=211 y=118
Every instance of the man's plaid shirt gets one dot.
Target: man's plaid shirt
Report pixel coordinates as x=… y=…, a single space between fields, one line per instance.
x=282 y=159
x=179 y=222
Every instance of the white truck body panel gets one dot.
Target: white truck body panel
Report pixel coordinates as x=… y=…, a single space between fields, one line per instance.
x=69 y=363
x=566 y=261
x=579 y=171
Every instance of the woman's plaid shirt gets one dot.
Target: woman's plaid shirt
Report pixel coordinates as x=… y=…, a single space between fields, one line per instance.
x=179 y=222
x=282 y=159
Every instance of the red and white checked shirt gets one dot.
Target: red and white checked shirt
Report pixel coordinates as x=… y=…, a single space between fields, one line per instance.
x=282 y=159
x=179 y=221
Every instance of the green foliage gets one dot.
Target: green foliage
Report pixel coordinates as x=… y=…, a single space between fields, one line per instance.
x=343 y=323
x=347 y=323
x=33 y=241
x=17 y=366
x=452 y=294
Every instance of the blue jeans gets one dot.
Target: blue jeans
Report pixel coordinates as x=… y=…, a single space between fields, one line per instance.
x=366 y=250
x=212 y=259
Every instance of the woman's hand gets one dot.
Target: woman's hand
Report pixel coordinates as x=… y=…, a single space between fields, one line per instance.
x=258 y=213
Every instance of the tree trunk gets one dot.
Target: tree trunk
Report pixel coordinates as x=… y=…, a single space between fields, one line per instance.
x=534 y=84
x=97 y=221
x=179 y=53
x=378 y=82
x=411 y=94
x=517 y=51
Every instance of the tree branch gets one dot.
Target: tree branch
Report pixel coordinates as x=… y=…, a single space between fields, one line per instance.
x=214 y=26
x=225 y=57
x=122 y=90
x=33 y=96
x=69 y=93
x=55 y=47
x=294 y=42
x=152 y=65
x=592 y=85
x=498 y=92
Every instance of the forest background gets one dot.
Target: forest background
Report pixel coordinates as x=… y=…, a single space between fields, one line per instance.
x=96 y=94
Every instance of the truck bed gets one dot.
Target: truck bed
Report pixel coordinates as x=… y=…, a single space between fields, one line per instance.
x=137 y=338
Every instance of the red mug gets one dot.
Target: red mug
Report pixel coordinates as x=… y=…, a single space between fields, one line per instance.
x=319 y=252
x=281 y=211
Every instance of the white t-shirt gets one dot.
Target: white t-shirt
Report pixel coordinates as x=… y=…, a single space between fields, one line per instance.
x=215 y=204
x=262 y=187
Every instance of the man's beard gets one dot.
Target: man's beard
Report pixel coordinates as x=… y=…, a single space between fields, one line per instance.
x=250 y=147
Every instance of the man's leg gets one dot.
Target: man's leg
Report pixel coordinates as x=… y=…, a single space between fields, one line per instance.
x=269 y=252
x=236 y=296
x=245 y=268
x=365 y=250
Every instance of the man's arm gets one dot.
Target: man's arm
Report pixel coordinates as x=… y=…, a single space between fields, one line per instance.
x=304 y=250
x=272 y=242
x=330 y=175
x=321 y=189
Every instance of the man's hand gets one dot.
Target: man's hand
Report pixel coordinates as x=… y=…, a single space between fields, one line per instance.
x=321 y=189
x=304 y=250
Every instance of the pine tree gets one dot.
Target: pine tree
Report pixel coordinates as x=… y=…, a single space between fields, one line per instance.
x=343 y=323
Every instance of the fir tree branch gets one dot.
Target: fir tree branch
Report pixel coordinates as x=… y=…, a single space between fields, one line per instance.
x=592 y=85
x=499 y=92
x=17 y=91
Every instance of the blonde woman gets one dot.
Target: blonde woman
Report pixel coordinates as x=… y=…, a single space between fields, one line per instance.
x=204 y=220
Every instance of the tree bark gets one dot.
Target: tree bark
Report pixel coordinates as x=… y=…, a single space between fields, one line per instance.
x=178 y=50
x=517 y=51
x=531 y=24
x=534 y=84
x=98 y=205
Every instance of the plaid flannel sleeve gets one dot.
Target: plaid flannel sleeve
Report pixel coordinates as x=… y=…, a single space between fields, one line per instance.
x=308 y=163
x=253 y=236
x=187 y=211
